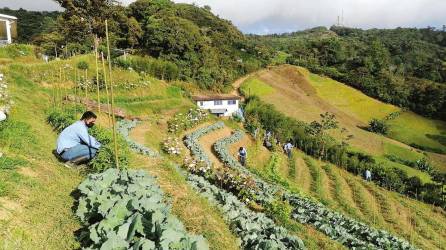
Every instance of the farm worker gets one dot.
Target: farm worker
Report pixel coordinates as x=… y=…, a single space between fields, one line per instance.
x=288 y=148
x=75 y=145
x=242 y=153
x=368 y=175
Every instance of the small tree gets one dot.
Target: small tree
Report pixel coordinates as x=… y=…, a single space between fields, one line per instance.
x=378 y=126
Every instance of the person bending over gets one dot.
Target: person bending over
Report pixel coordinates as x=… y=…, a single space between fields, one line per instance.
x=75 y=145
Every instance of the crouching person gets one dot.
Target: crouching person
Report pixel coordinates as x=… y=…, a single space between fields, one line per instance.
x=75 y=145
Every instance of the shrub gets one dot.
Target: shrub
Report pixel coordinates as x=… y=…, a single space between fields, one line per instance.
x=378 y=126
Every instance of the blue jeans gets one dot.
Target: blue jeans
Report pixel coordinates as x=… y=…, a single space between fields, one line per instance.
x=79 y=151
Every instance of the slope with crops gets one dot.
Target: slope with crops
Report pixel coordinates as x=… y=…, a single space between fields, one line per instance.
x=29 y=172
x=290 y=91
x=382 y=209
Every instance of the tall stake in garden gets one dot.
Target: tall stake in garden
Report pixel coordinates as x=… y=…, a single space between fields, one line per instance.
x=75 y=90
x=96 y=44
x=106 y=89
x=111 y=95
x=86 y=88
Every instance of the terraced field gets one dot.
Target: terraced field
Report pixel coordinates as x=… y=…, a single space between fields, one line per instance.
x=299 y=94
x=343 y=192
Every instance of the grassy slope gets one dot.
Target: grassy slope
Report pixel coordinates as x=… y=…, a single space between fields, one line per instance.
x=350 y=195
x=35 y=202
x=42 y=218
x=304 y=96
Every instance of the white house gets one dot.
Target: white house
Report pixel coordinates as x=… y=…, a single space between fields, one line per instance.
x=221 y=105
x=8 y=29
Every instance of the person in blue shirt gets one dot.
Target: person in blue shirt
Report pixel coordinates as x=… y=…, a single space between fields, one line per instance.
x=75 y=145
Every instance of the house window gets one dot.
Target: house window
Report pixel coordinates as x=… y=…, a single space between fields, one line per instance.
x=232 y=102
x=200 y=103
x=218 y=102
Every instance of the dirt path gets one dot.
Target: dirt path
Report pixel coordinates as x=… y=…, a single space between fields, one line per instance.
x=207 y=141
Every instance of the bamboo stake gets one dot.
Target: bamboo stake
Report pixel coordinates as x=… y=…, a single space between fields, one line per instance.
x=75 y=91
x=86 y=88
x=97 y=72
x=111 y=95
x=59 y=89
x=106 y=90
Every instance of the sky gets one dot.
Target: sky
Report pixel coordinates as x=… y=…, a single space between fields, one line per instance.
x=278 y=16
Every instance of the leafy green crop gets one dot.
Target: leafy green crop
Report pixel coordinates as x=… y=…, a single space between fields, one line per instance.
x=124 y=127
x=347 y=231
x=126 y=210
x=256 y=230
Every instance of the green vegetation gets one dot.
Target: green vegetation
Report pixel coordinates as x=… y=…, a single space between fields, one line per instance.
x=32 y=23
x=420 y=133
x=323 y=146
x=398 y=66
x=126 y=209
x=254 y=86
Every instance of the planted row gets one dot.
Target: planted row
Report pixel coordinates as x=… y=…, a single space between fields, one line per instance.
x=255 y=229
x=124 y=127
x=193 y=145
x=183 y=121
x=260 y=115
x=60 y=119
x=341 y=228
x=126 y=210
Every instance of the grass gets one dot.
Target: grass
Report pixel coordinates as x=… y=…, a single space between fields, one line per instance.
x=411 y=128
x=42 y=215
x=350 y=100
x=403 y=153
x=253 y=86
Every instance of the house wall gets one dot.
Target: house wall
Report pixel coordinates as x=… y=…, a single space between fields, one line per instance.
x=210 y=105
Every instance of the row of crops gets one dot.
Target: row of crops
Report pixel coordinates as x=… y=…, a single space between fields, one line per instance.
x=123 y=209
x=255 y=229
x=126 y=210
x=124 y=127
x=345 y=230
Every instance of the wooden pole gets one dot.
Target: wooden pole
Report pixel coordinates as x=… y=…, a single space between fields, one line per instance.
x=97 y=72
x=106 y=90
x=59 y=89
x=86 y=88
x=111 y=95
x=75 y=91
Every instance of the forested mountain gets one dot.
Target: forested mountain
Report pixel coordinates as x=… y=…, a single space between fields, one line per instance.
x=207 y=50
x=31 y=23
x=405 y=67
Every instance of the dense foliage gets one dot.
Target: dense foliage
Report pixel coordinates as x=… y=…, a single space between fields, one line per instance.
x=60 y=119
x=31 y=24
x=347 y=231
x=405 y=67
x=324 y=147
x=191 y=42
x=127 y=210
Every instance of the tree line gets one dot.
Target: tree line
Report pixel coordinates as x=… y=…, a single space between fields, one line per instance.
x=206 y=49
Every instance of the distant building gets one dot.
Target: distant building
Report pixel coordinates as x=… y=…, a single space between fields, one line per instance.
x=221 y=105
x=8 y=29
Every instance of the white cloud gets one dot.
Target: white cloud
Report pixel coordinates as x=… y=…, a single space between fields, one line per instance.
x=267 y=16
x=287 y=15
